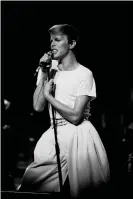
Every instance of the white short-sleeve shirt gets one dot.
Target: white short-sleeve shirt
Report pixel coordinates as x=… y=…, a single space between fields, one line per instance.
x=70 y=84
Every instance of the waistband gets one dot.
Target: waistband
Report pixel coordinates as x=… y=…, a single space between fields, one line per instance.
x=58 y=122
x=62 y=121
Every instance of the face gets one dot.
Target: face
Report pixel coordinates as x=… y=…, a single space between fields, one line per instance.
x=59 y=45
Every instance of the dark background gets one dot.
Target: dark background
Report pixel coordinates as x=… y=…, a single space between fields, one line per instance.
x=103 y=48
x=103 y=45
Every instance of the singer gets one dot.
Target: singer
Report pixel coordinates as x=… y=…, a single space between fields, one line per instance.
x=82 y=155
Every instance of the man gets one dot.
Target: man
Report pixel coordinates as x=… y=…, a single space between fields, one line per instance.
x=82 y=156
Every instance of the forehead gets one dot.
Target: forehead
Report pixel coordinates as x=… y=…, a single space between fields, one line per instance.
x=58 y=35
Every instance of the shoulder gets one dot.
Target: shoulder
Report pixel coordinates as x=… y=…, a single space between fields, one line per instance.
x=85 y=72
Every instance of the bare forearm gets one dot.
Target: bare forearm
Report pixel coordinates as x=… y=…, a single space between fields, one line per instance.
x=39 y=100
x=71 y=114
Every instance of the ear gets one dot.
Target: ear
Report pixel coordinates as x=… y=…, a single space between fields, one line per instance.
x=73 y=44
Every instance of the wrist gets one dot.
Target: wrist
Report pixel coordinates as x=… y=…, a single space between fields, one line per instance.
x=47 y=95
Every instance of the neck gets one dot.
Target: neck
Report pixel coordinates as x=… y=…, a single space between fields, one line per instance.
x=69 y=62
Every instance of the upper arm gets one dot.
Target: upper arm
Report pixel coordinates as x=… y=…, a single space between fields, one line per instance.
x=86 y=92
x=80 y=104
x=87 y=85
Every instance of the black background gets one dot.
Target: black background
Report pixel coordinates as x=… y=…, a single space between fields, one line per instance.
x=103 y=47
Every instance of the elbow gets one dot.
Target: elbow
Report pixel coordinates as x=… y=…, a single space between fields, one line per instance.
x=75 y=120
x=37 y=108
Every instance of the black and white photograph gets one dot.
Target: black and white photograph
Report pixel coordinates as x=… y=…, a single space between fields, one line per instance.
x=66 y=99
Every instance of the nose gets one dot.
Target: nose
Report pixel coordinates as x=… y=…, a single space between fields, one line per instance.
x=52 y=43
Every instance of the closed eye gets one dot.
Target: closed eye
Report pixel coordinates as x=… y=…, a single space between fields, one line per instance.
x=56 y=39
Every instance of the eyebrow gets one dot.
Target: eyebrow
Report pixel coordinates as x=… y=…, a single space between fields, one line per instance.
x=58 y=36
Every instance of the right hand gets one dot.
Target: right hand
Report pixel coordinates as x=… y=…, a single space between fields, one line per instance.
x=46 y=58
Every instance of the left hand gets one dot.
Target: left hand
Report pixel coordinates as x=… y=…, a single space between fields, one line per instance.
x=48 y=87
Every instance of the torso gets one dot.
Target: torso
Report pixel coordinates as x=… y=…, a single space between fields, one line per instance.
x=67 y=83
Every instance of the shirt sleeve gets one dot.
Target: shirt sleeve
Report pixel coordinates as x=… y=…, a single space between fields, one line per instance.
x=87 y=86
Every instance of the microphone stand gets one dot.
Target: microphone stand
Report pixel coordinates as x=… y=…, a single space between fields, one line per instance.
x=55 y=134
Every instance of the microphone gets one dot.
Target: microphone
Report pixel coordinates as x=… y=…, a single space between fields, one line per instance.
x=46 y=64
x=51 y=76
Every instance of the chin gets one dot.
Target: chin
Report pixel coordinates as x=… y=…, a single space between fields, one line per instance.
x=55 y=57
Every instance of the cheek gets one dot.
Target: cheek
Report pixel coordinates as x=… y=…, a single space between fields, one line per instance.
x=65 y=47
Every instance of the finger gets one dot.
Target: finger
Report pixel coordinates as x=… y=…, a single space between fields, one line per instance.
x=49 y=53
x=45 y=82
x=51 y=81
x=44 y=58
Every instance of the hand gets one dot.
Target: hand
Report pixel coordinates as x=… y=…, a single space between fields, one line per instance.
x=46 y=57
x=48 y=87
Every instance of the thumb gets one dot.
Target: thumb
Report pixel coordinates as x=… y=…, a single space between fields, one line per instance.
x=51 y=81
x=46 y=81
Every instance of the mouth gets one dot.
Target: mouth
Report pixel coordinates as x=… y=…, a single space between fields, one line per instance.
x=54 y=51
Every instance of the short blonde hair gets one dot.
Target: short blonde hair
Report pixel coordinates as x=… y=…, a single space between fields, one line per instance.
x=69 y=30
